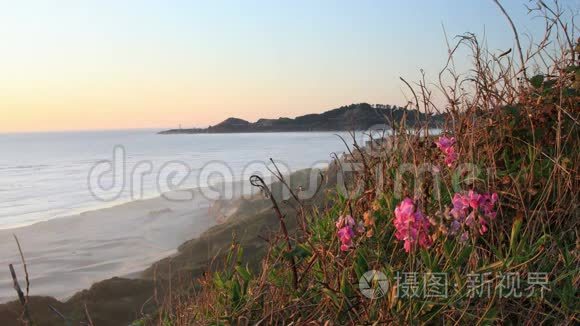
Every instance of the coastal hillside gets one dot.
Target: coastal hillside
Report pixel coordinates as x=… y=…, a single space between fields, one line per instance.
x=476 y=226
x=351 y=117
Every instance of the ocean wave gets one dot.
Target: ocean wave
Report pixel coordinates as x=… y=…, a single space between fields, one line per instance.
x=24 y=167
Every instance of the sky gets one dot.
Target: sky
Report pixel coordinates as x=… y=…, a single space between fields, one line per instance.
x=82 y=65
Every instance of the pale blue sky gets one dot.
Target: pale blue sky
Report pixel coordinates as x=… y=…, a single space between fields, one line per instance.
x=125 y=64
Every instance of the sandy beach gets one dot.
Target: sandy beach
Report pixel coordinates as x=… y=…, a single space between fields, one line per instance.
x=118 y=255
x=68 y=254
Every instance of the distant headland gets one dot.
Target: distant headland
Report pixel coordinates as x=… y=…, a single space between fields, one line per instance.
x=351 y=117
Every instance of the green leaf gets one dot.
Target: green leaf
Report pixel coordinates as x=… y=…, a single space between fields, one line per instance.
x=217 y=280
x=345 y=285
x=541 y=241
x=464 y=256
x=516 y=228
x=490 y=316
x=300 y=251
x=360 y=265
x=493 y=266
x=236 y=293
x=572 y=68
x=537 y=81
x=244 y=273
x=332 y=296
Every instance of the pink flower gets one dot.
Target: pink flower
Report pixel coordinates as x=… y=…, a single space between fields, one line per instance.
x=487 y=203
x=473 y=210
x=345 y=221
x=445 y=142
x=345 y=234
x=405 y=208
x=446 y=145
x=459 y=210
x=345 y=225
x=473 y=198
x=450 y=157
x=411 y=225
x=454 y=227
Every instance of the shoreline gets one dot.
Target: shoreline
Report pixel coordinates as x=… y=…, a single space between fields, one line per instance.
x=131 y=294
x=74 y=213
x=70 y=253
x=121 y=240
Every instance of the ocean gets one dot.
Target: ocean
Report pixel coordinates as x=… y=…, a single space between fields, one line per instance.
x=44 y=176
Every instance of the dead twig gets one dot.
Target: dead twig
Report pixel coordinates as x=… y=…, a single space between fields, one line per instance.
x=58 y=313
x=88 y=316
x=25 y=313
x=21 y=296
x=257 y=181
x=517 y=38
x=25 y=266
